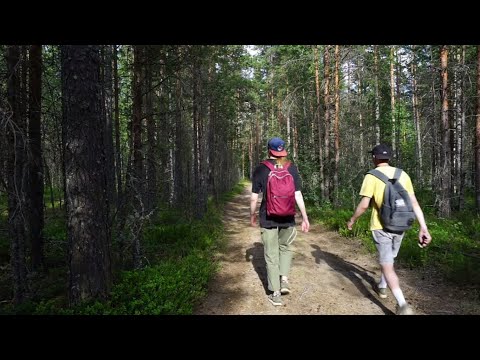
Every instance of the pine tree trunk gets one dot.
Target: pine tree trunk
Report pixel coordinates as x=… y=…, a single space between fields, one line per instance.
x=205 y=78
x=163 y=132
x=36 y=158
x=326 y=98
x=461 y=136
x=435 y=173
x=16 y=132
x=108 y=118
x=446 y=169
x=319 y=121
x=196 y=134
x=454 y=126
x=50 y=183
x=477 y=136
x=295 y=141
x=337 y=121
x=392 y=99
x=212 y=129
x=151 y=199
x=377 y=96
x=360 y=112
x=180 y=189
x=401 y=137
x=416 y=120
x=118 y=151
x=137 y=178
x=86 y=179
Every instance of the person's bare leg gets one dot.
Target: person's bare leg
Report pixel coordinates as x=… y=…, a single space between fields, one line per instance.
x=383 y=282
x=392 y=280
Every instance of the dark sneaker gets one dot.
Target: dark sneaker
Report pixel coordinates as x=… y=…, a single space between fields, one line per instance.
x=381 y=292
x=284 y=287
x=404 y=310
x=275 y=299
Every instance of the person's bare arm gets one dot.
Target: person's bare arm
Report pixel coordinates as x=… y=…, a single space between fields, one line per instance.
x=301 y=206
x=361 y=208
x=253 y=209
x=424 y=237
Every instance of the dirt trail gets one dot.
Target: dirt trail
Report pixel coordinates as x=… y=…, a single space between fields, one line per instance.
x=330 y=275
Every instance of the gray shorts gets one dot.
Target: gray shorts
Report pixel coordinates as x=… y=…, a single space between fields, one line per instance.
x=387 y=245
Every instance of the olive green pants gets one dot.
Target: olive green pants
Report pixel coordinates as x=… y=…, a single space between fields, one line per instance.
x=278 y=256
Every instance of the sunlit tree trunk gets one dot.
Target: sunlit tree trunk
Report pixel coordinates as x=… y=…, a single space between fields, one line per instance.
x=199 y=147
x=360 y=68
x=392 y=99
x=288 y=126
x=416 y=119
x=377 y=96
x=446 y=169
x=326 y=99
x=337 y=121
x=319 y=121
x=461 y=135
x=435 y=171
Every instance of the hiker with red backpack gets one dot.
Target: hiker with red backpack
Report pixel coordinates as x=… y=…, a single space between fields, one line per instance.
x=279 y=181
x=389 y=191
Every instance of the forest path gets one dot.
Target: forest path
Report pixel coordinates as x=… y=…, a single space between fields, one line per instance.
x=330 y=275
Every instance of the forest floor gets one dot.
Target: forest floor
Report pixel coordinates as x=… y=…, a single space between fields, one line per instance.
x=330 y=275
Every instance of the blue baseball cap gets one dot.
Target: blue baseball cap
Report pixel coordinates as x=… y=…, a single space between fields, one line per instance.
x=277 y=147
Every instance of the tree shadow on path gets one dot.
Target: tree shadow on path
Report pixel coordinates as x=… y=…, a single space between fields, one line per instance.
x=352 y=272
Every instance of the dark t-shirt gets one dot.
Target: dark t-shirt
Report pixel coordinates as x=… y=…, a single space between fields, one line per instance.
x=259 y=184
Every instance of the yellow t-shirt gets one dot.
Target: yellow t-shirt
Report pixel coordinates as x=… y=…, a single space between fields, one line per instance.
x=373 y=187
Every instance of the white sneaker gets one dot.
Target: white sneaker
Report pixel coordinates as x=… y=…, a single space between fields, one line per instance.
x=284 y=287
x=405 y=310
x=381 y=292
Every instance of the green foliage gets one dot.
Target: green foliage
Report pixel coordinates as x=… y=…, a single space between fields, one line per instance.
x=180 y=254
x=237 y=189
x=57 y=195
x=169 y=288
x=55 y=236
x=336 y=219
x=180 y=258
x=180 y=237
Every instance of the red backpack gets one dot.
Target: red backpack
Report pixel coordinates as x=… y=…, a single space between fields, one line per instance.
x=280 y=190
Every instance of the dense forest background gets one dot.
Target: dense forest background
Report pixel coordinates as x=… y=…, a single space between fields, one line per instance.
x=114 y=159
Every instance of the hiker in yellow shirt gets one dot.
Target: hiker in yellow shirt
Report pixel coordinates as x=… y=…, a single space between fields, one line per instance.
x=388 y=242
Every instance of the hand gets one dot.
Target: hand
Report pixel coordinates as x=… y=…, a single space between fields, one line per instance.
x=424 y=237
x=305 y=225
x=350 y=224
x=253 y=220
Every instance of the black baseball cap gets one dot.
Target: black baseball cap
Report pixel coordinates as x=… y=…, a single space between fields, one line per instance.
x=381 y=151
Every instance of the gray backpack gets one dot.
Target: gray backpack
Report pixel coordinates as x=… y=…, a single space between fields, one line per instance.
x=396 y=212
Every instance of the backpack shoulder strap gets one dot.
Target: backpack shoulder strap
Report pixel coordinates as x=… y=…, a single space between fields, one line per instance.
x=272 y=167
x=268 y=164
x=398 y=173
x=378 y=174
